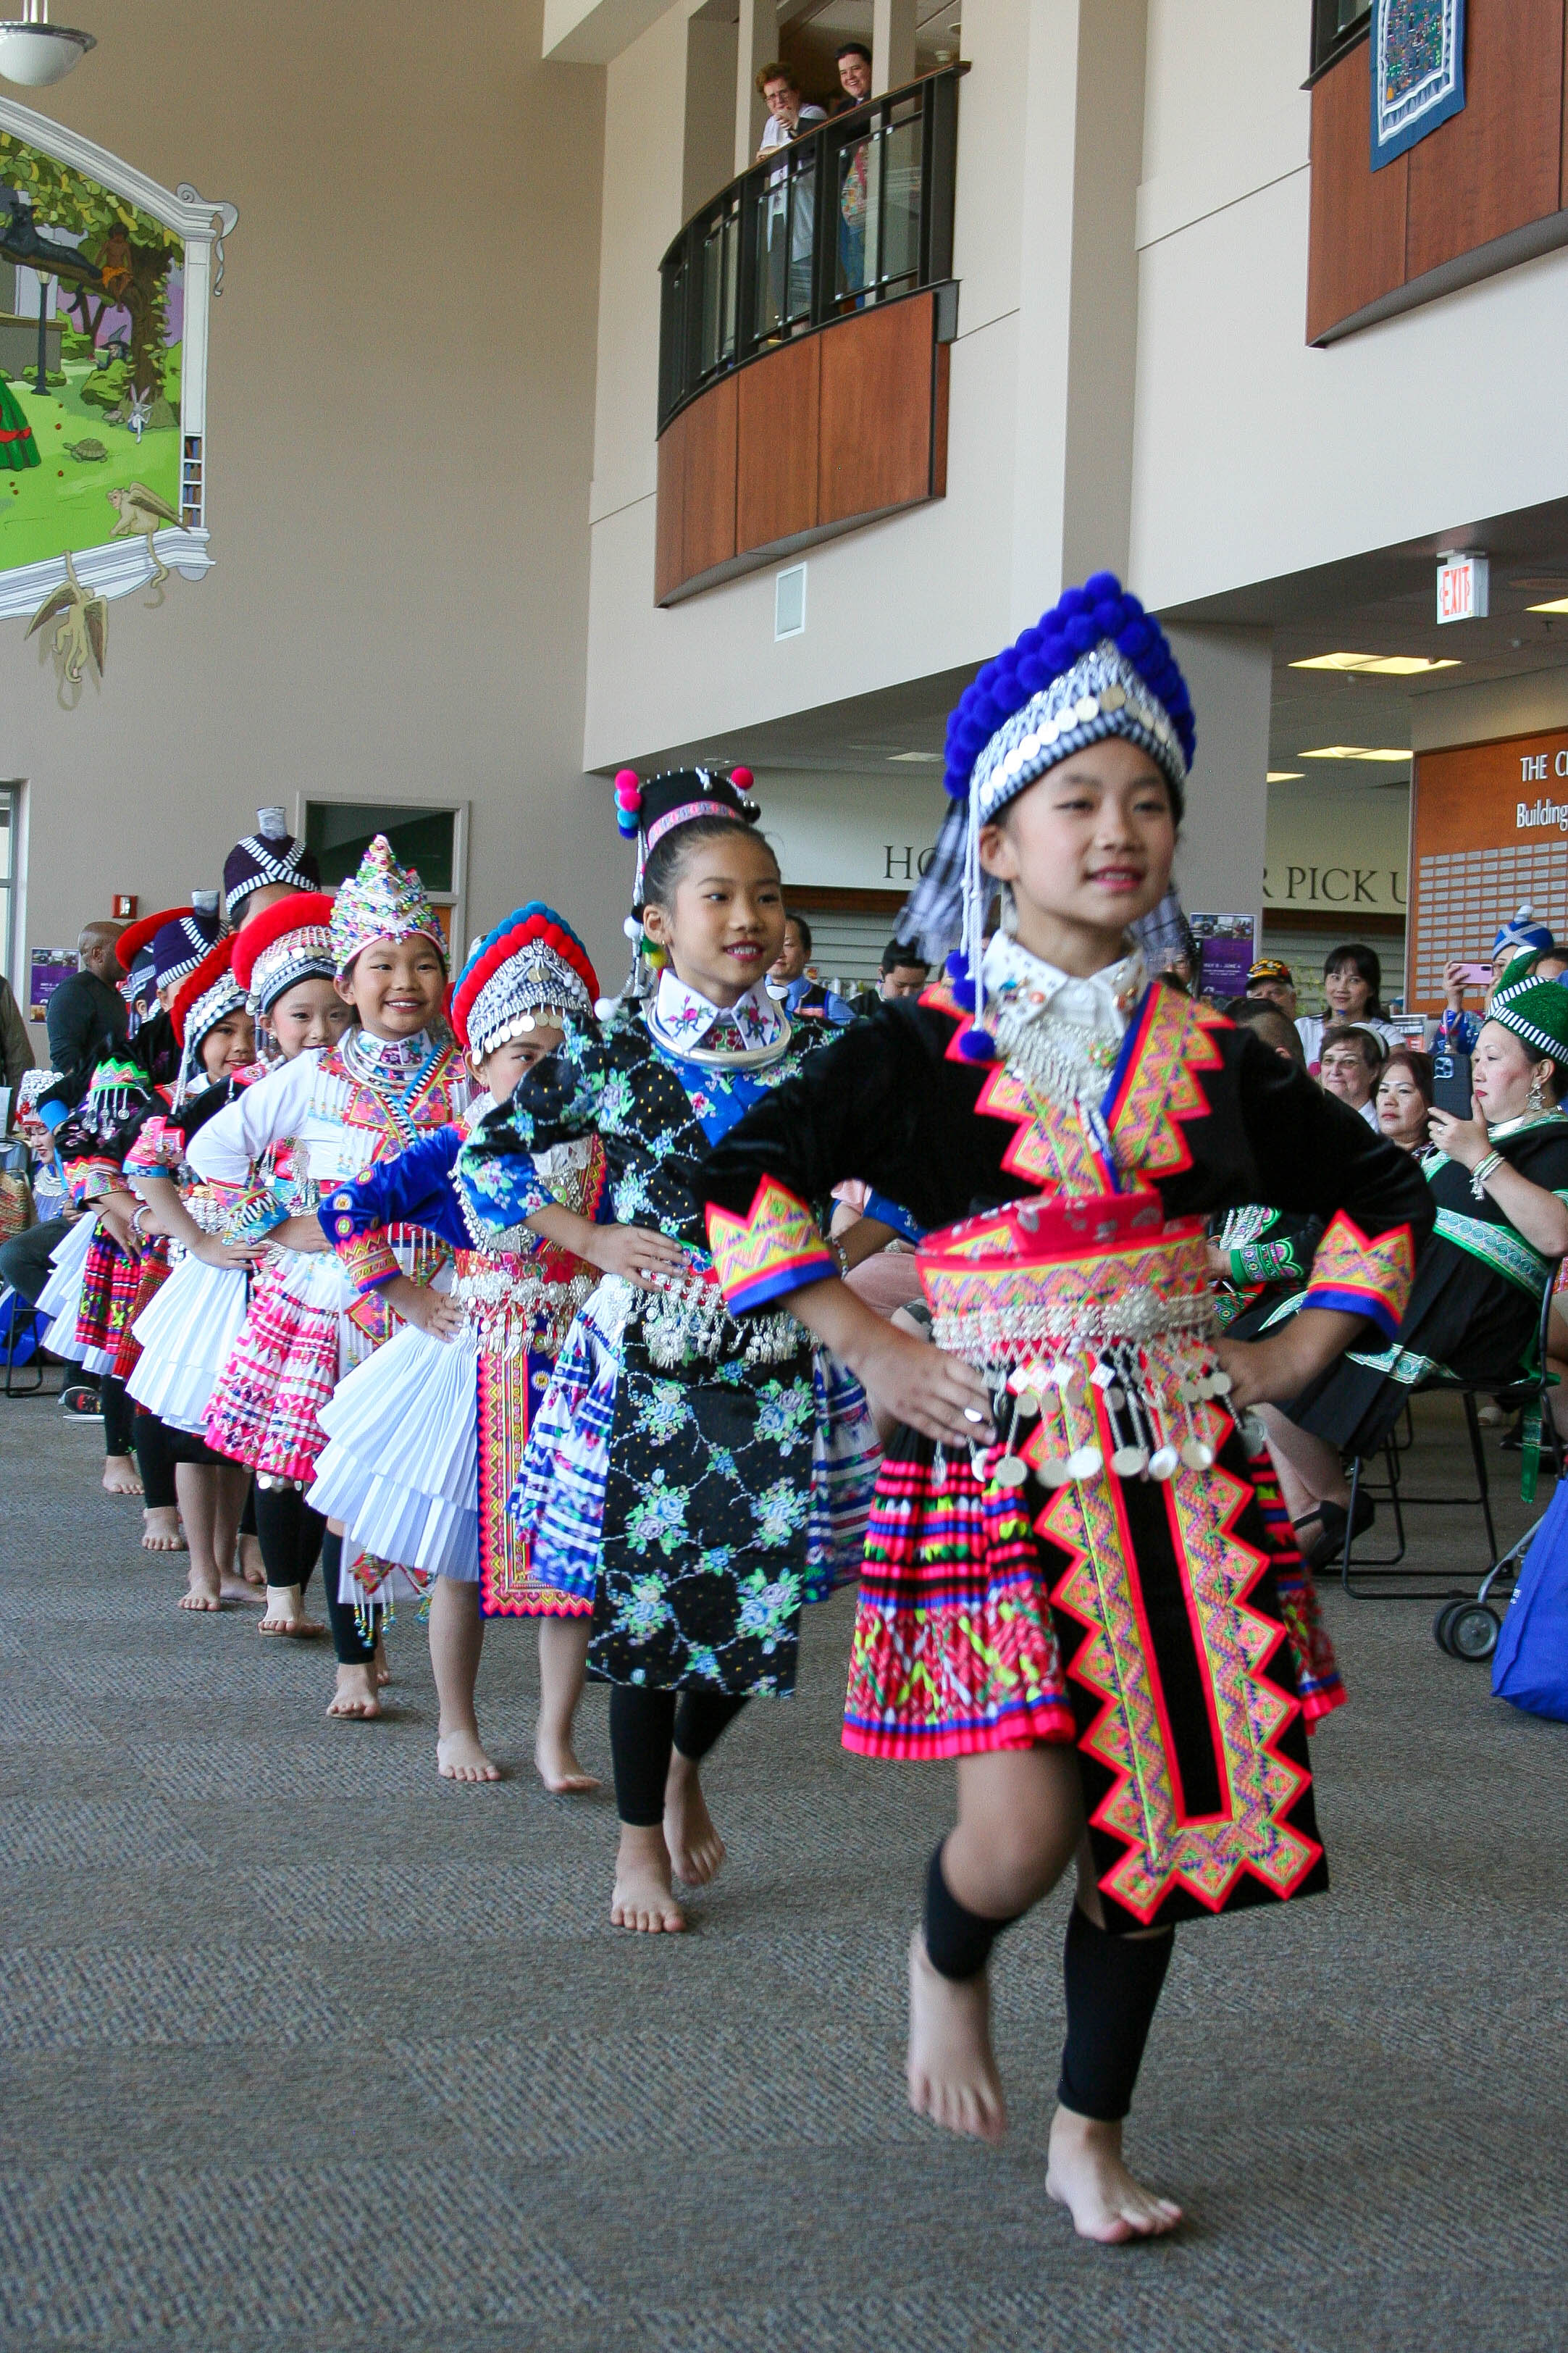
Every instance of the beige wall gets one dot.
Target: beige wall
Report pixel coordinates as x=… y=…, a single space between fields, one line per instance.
x=1039 y=450
x=400 y=411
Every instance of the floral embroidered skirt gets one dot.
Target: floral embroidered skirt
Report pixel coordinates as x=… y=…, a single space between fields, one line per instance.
x=265 y=1412
x=696 y=1509
x=1169 y=1630
x=154 y=1275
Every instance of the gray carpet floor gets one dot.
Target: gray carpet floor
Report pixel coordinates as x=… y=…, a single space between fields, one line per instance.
x=302 y=2049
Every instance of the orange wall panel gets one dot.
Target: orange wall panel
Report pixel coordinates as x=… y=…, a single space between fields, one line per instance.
x=1357 y=239
x=669 y=569
x=1488 y=833
x=1498 y=163
x=777 y=444
x=708 y=504
x=877 y=403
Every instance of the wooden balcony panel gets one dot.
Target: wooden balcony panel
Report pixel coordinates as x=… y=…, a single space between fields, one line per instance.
x=776 y=461
x=878 y=399
x=707 y=501
x=670 y=534
x=1357 y=238
x=1498 y=163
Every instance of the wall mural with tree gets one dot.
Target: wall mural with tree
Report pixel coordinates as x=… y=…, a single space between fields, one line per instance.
x=106 y=280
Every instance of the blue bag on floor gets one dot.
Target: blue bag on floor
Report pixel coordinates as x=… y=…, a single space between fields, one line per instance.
x=18 y=1329
x=1530 y=1665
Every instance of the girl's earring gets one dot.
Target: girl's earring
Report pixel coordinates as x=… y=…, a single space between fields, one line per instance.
x=1009 y=917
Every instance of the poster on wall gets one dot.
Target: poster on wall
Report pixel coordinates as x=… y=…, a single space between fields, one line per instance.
x=50 y=967
x=1489 y=835
x=1417 y=71
x=106 y=280
x=1227 y=952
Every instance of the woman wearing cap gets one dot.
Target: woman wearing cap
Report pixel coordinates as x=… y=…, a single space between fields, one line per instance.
x=1501 y=1224
x=1047 y=1557
x=387 y=1080
x=424 y=1442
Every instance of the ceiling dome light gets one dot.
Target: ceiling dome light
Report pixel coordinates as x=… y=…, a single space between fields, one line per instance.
x=34 y=52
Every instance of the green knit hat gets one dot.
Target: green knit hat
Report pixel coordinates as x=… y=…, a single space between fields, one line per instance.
x=1535 y=1010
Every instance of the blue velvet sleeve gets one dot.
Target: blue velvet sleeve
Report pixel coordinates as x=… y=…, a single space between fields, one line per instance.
x=413 y=1188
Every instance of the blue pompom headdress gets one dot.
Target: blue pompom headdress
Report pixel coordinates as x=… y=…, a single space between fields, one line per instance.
x=1094 y=666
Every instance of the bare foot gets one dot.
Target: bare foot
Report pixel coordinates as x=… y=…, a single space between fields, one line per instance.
x=951 y=2071
x=1085 y=2173
x=249 y=1563
x=642 y=1898
x=202 y=1590
x=161 y=1531
x=285 y=1614
x=696 y=1848
x=356 y=1693
x=383 y=1671
x=556 y=1763
x=460 y=1757
x=235 y=1589
x=120 y=1475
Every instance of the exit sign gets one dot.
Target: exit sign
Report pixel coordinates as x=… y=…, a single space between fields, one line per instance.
x=1462 y=585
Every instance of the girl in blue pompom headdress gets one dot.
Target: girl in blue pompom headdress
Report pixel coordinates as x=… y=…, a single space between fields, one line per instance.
x=1078 y=1582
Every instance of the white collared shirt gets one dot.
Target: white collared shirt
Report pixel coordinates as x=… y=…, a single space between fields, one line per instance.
x=1101 y=1004
x=686 y=1023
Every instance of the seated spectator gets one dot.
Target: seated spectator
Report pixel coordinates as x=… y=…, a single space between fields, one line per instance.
x=1403 y=1098
x=1258 y=1254
x=1272 y=977
x=1353 y=977
x=1525 y=935
x=1275 y=1027
x=803 y=996
x=904 y=973
x=1350 y=1059
x=1498 y=1181
x=24 y=1258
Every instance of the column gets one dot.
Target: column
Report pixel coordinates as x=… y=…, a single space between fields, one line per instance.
x=1220 y=858
x=892 y=45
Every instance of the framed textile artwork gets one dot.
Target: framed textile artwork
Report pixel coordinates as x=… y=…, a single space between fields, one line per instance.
x=106 y=282
x=1417 y=71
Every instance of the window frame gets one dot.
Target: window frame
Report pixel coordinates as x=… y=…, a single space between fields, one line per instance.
x=456 y=899
x=1328 y=48
x=11 y=880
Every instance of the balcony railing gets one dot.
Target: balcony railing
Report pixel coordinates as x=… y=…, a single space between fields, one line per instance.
x=857 y=211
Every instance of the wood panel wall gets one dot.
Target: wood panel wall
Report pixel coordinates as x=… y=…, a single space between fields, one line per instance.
x=816 y=437
x=1489 y=173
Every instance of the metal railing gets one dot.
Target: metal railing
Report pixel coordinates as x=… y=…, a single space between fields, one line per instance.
x=858 y=210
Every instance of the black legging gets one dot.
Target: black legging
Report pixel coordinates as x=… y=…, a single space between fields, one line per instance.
x=117 y=1415
x=350 y=1644
x=290 y=1534
x=645 y=1725
x=155 y=1460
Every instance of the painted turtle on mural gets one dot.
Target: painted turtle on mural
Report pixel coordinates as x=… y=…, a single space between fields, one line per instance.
x=88 y=452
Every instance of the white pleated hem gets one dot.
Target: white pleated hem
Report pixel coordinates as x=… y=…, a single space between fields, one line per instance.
x=187 y=1333
x=400 y=1468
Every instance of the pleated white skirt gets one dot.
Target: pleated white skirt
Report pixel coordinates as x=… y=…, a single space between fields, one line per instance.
x=187 y=1333
x=400 y=1468
x=61 y=1297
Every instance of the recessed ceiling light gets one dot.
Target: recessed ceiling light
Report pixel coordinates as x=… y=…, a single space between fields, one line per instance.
x=1376 y=664
x=1558 y=605
x=1283 y=776
x=1352 y=752
x=916 y=755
